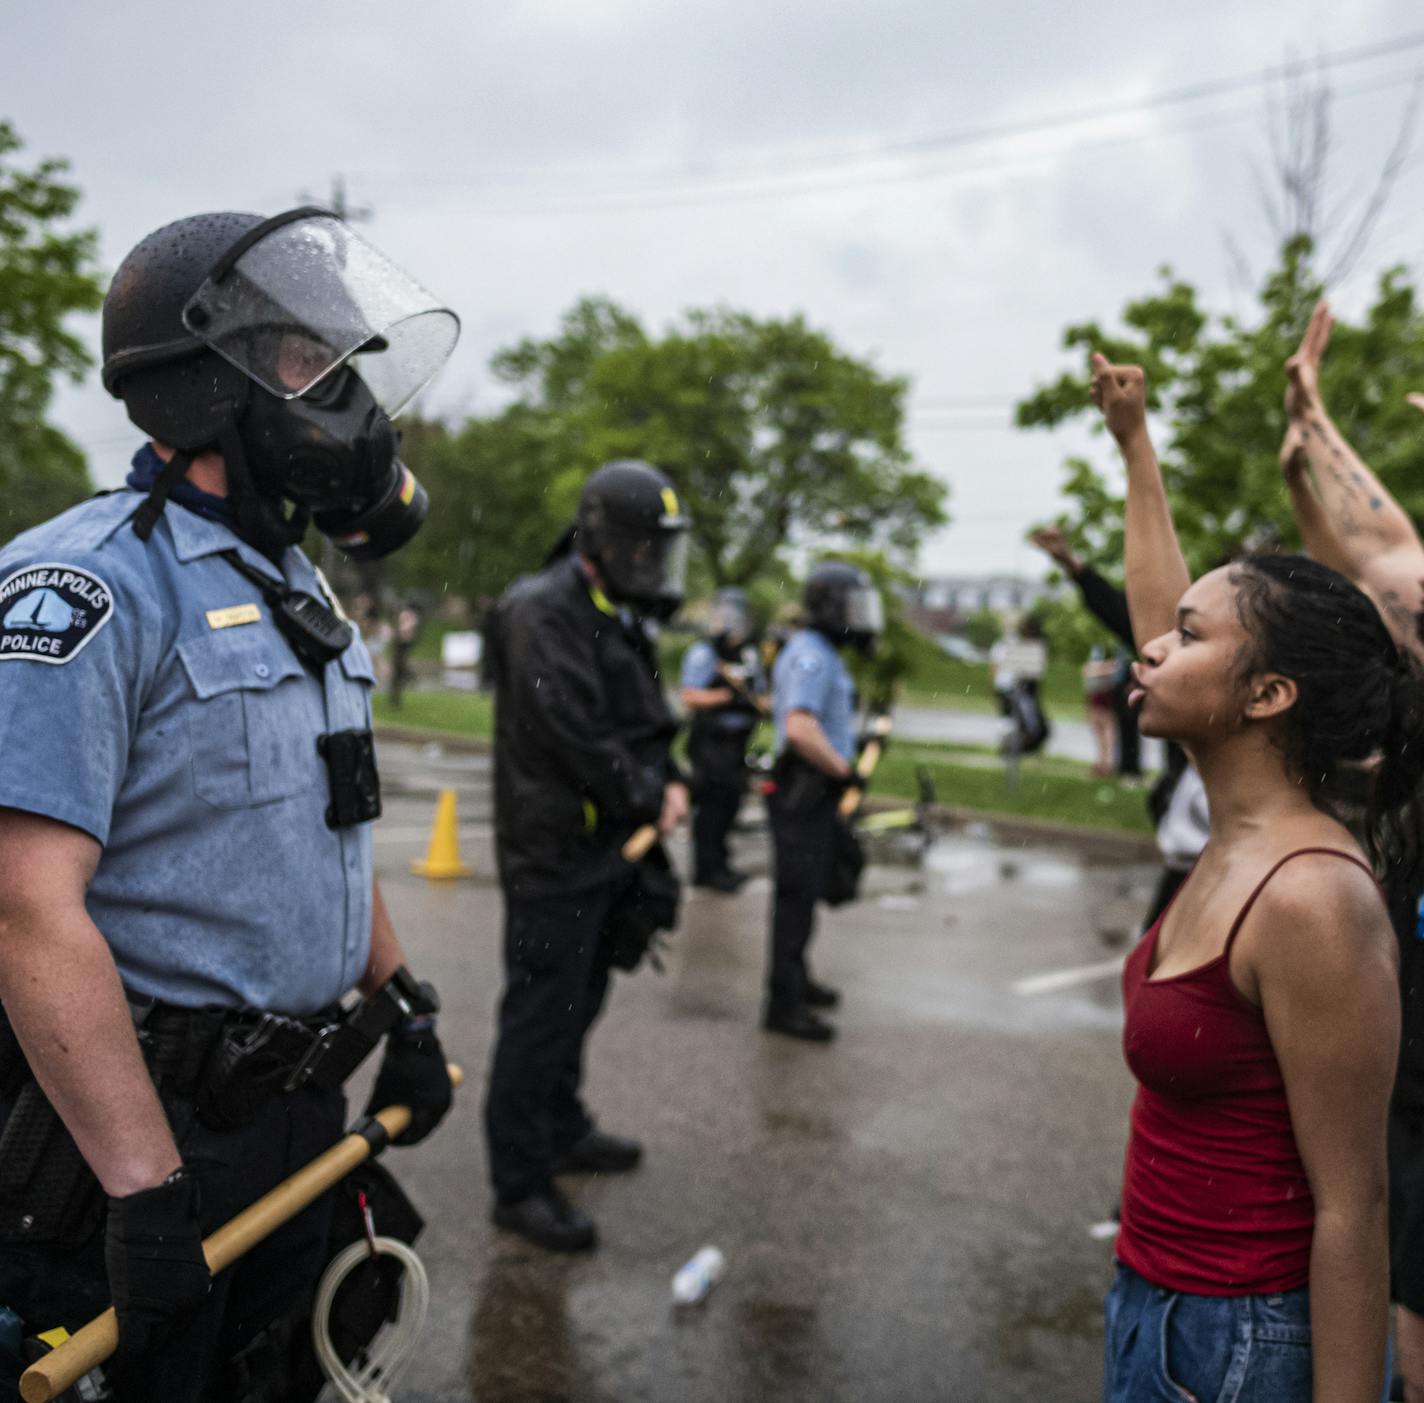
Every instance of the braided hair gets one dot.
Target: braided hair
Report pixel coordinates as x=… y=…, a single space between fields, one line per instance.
x=1355 y=737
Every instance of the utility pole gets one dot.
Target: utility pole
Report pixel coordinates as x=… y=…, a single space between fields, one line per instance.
x=346 y=577
x=338 y=204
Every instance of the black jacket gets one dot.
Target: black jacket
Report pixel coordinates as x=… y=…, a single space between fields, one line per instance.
x=582 y=733
x=1107 y=601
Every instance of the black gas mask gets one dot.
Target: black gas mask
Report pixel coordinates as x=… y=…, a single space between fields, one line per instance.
x=289 y=345
x=332 y=453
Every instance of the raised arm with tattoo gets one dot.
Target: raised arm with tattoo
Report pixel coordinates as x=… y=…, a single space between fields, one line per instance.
x=1350 y=521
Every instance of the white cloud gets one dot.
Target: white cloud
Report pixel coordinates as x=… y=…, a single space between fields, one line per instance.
x=464 y=125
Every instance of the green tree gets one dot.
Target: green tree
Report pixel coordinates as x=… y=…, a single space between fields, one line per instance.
x=499 y=501
x=1216 y=386
x=1071 y=630
x=983 y=628
x=47 y=272
x=774 y=437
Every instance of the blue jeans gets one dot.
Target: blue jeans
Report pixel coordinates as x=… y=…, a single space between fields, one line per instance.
x=1169 y=1347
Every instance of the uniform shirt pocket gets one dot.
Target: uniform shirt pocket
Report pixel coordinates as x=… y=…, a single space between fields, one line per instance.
x=253 y=721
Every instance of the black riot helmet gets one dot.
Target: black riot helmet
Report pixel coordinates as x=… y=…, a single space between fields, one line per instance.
x=632 y=527
x=236 y=333
x=841 y=603
x=729 y=621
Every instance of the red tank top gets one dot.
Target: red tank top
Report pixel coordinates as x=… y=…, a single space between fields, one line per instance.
x=1215 y=1200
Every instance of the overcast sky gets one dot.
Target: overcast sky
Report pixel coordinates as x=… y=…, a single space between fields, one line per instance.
x=769 y=155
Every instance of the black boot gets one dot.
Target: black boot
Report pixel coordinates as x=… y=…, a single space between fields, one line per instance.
x=548 y=1220
x=598 y=1153
x=725 y=881
x=820 y=995
x=797 y=1021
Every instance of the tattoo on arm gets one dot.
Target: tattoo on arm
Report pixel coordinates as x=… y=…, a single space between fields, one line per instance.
x=1408 y=623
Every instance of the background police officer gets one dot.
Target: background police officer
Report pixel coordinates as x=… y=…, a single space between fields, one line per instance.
x=177 y=858
x=813 y=700
x=582 y=736
x=722 y=687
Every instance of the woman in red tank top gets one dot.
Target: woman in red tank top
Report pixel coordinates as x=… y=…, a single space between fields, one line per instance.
x=1262 y=1010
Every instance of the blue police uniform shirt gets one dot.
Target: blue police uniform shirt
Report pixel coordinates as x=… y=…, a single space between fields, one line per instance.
x=147 y=698
x=700 y=670
x=810 y=675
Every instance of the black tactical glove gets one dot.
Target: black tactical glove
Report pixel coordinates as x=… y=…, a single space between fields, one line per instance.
x=413 y=1073
x=153 y=1250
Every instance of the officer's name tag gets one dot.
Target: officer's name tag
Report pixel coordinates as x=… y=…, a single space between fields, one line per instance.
x=233 y=615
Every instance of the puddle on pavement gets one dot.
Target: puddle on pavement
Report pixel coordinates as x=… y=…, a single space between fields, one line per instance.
x=780 y=1337
x=800 y=1125
x=1037 y=1329
x=965 y=865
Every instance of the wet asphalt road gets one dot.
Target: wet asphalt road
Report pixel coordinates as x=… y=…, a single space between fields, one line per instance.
x=904 y=1214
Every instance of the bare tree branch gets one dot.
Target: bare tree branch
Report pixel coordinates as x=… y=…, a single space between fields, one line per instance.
x=1354 y=245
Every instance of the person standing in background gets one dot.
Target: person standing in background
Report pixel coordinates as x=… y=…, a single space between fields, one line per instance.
x=1099 y=676
x=582 y=759
x=813 y=699
x=724 y=688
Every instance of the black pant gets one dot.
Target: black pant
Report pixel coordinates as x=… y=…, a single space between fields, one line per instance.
x=719 y=761
x=1129 y=739
x=802 y=840
x=556 y=977
x=50 y=1286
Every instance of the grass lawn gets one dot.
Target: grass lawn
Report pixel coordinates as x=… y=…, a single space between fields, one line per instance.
x=973 y=777
x=458 y=713
x=939 y=680
x=1050 y=788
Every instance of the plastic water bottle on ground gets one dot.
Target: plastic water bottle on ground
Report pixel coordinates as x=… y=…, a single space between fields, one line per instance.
x=695 y=1278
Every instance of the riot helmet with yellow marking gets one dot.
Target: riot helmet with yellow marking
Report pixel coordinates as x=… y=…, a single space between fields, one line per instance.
x=631 y=525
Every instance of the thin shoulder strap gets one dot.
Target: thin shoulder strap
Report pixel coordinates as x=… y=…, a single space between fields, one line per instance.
x=1261 y=885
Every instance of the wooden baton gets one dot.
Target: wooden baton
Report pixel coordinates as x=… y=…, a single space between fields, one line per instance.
x=865 y=765
x=89 y=1347
x=641 y=843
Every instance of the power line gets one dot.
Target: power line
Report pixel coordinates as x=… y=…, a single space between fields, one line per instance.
x=711 y=195
x=656 y=182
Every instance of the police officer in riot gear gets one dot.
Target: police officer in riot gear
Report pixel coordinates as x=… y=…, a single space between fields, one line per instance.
x=813 y=699
x=185 y=804
x=723 y=688
x=582 y=737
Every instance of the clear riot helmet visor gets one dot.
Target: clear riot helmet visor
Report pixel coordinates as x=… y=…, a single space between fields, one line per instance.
x=729 y=619
x=305 y=295
x=865 y=612
x=648 y=569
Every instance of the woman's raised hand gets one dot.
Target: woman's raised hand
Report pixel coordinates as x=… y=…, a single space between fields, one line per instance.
x=1303 y=368
x=1120 y=391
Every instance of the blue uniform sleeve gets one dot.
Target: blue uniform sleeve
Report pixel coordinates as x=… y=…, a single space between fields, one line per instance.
x=80 y=639
x=808 y=681
x=699 y=665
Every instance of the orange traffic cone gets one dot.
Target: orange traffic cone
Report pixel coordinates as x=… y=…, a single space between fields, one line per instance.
x=443 y=856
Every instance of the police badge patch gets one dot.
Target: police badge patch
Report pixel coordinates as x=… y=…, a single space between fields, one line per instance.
x=49 y=612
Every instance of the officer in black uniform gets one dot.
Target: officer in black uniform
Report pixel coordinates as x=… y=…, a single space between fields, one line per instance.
x=813 y=699
x=582 y=737
x=723 y=687
x=185 y=806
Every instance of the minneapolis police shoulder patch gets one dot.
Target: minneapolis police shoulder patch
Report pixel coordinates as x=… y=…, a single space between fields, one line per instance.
x=49 y=612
